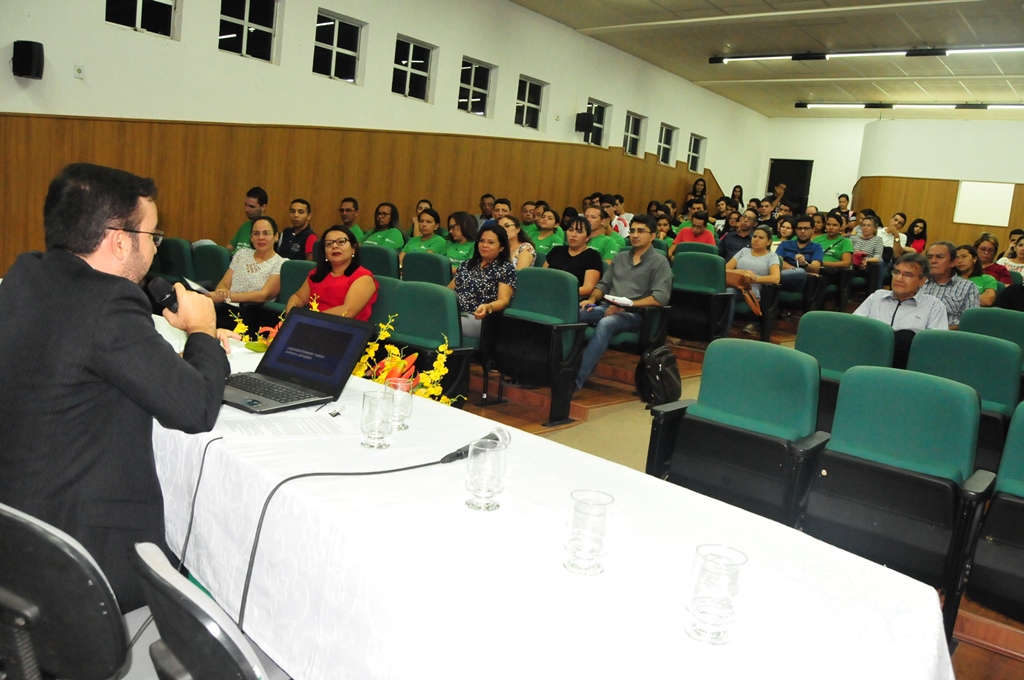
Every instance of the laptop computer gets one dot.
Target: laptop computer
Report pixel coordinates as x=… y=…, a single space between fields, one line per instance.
x=309 y=362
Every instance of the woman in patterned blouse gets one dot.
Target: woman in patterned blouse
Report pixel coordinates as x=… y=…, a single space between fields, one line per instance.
x=484 y=284
x=254 y=275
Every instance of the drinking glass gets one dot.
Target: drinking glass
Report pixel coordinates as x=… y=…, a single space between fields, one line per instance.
x=485 y=472
x=715 y=578
x=401 y=389
x=587 y=527
x=376 y=422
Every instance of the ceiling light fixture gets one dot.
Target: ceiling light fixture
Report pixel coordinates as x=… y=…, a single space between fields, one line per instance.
x=882 y=105
x=914 y=52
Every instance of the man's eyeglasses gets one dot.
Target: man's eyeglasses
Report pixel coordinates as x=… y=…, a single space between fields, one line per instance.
x=634 y=230
x=338 y=241
x=158 y=236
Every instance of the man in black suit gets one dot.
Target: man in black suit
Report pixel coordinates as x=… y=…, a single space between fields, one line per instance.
x=85 y=371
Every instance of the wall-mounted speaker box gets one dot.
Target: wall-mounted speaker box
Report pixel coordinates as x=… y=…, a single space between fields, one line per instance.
x=28 y=59
x=584 y=122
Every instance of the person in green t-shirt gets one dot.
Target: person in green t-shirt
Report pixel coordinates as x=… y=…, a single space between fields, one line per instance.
x=968 y=265
x=546 y=237
x=255 y=205
x=428 y=241
x=838 y=255
x=600 y=223
x=349 y=211
x=530 y=215
x=386 y=232
x=462 y=233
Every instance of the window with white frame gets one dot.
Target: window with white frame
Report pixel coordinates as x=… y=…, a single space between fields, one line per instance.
x=667 y=145
x=695 y=157
x=474 y=87
x=632 y=139
x=599 y=111
x=149 y=16
x=528 y=102
x=247 y=27
x=411 y=75
x=336 y=47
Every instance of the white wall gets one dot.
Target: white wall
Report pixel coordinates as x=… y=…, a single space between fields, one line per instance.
x=989 y=151
x=834 y=144
x=137 y=75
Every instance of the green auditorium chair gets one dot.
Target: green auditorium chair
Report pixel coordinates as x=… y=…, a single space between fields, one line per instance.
x=769 y=310
x=840 y=342
x=989 y=365
x=387 y=300
x=699 y=302
x=840 y=290
x=1007 y=324
x=539 y=340
x=210 y=262
x=293 y=274
x=175 y=256
x=1016 y=277
x=540 y=259
x=692 y=247
x=661 y=245
x=379 y=260
x=901 y=490
x=427 y=267
x=428 y=315
x=997 y=573
x=749 y=437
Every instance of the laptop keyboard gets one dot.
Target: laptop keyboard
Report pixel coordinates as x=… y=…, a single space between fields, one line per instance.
x=267 y=389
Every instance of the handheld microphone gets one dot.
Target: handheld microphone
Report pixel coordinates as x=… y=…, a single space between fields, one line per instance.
x=498 y=434
x=164 y=294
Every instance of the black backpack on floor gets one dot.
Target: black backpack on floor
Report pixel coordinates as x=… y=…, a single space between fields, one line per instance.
x=657 y=377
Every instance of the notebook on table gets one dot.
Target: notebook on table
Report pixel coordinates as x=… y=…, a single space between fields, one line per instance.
x=309 y=362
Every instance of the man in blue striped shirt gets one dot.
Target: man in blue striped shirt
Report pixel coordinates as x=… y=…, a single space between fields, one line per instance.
x=957 y=293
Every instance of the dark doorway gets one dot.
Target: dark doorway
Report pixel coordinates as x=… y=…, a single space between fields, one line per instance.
x=796 y=175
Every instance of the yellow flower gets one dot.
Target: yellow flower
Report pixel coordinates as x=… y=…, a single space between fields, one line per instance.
x=314 y=303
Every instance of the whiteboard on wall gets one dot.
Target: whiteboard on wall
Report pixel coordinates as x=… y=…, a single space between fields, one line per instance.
x=986 y=203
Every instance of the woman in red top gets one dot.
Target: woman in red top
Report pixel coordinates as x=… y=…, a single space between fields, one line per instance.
x=987 y=246
x=917 y=235
x=340 y=284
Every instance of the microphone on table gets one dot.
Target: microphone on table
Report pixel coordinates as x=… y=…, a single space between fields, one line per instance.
x=498 y=434
x=164 y=294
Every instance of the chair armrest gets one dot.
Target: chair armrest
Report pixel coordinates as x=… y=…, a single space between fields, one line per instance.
x=978 y=486
x=811 y=445
x=673 y=410
x=664 y=428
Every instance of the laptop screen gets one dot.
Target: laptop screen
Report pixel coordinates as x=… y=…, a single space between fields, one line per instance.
x=317 y=351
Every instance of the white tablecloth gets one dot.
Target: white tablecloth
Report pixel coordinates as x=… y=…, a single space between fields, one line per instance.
x=393 y=577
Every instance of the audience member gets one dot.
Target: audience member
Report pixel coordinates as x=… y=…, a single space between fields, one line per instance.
x=619 y=225
x=735 y=241
x=737 y=195
x=732 y=223
x=253 y=277
x=664 y=229
x=548 y=232
x=576 y=257
x=671 y=208
x=957 y=294
x=1014 y=257
x=968 y=265
x=349 y=212
x=697 y=232
x=652 y=208
x=602 y=238
x=723 y=206
x=917 y=236
x=297 y=241
x=486 y=209
x=693 y=206
x=986 y=248
x=905 y=307
x=698 y=190
x=759 y=265
x=800 y=256
x=521 y=251
x=568 y=216
x=837 y=253
x=893 y=237
x=620 y=208
x=1012 y=239
x=414 y=226
x=811 y=210
x=867 y=247
x=428 y=241
x=844 y=207
x=638 y=277
x=385 y=231
x=786 y=231
x=462 y=233
x=529 y=217
x=818 y=220
x=255 y=205
x=502 y=207
x=86 y=373
x=484 y=283
x=339 y=285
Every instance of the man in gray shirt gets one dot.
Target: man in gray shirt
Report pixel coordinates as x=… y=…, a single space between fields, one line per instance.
x=957 y=293
x=638 y=277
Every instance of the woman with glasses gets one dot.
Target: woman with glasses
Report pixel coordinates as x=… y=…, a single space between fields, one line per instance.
x=385 y=229
x=577 y=257
x=986 y=248
x=462 y=231
x=254 y=276
x=521 y=251
x=732 y=223
x=968 y=265
x=339 y=284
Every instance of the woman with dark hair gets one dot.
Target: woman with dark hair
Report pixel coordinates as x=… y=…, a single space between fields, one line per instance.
x=521 y=251
x=254 y=275
x=386 y=230
x=986 y=248
x=421 y=205
x=652 y=208
x=428 y=241
x=732 y=223
x=787 y=231
x=698 y=190
x=844 y=207
x=339 y=285
x=917 y=235
x=484 y=284
x=1011 y=240
x=547 y=236
x=663 y=229
x=968 y=265
x=737 y=195
x=1014 y=259
x=818 y=220
x=568 y=215
x=462 y=231
x=577 y=257
x=758 y=264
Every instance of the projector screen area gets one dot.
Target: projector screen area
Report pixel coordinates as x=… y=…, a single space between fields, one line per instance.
x=986 y=203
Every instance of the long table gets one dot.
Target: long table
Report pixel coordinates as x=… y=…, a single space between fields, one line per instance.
x=392 y=576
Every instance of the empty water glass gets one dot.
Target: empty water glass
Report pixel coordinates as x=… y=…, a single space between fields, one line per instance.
x=401 y=389
x=715 y=577
x=485 y=473
x=376 y=423
x=588 y=525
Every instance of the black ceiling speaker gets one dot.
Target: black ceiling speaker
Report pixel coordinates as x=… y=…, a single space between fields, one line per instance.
x=584 y=122
x=28 y=59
